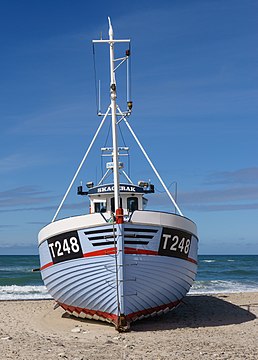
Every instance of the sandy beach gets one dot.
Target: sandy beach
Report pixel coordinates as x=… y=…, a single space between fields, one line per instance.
x=222 y=326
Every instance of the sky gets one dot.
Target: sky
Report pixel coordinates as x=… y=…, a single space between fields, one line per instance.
x=194 y=77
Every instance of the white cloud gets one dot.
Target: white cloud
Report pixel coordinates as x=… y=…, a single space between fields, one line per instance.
x=17 y=161
x=240 y=176
x=23 y=196
x=232 y=190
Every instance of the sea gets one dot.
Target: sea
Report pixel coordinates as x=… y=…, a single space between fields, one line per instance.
x=216 y=274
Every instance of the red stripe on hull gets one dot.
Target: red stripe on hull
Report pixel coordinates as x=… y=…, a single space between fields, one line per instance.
x=151 y=310
x=129 y=250
x=112 y=251
x=46 y=265
x=114 y=318
x=79 y=310
x=108 y=251
x=193 y=261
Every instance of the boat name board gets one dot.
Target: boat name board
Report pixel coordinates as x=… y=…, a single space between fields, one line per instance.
x=175 y=243
x=65 y=247
x=110 y=189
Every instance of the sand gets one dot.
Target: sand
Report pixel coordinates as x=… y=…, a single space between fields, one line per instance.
x=222 y=326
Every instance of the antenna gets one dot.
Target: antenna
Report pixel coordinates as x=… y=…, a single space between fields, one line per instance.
x=110 y=32
x=99 y=101
x=128 y=79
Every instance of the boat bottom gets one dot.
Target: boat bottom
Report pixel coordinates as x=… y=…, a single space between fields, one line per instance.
x=121 y=322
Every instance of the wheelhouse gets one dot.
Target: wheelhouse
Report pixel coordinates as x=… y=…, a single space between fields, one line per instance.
x=131 y=197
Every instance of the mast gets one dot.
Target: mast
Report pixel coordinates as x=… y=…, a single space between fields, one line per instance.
x=114 y=110
x=113 y=105
x=113 y=114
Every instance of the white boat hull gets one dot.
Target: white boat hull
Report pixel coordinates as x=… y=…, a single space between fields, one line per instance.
x=119 y=273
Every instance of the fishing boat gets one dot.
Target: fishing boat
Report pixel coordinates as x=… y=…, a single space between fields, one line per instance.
x=120 y=262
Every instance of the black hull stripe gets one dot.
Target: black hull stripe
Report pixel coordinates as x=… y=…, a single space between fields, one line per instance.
x=99 y=231
x=138 y=236
x=92 y=238
x=104 y=243
x=136 y=242
x=126 y=242
x=141 y=230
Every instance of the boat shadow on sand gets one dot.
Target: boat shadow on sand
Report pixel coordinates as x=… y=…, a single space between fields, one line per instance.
x=198 y=311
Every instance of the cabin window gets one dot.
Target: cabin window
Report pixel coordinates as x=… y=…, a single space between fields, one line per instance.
x=132 y=204
x=113 y=204
x=100 y=207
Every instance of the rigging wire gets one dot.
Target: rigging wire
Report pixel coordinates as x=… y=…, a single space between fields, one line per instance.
x=129 y=165
x=95 y=77
x=107 y=135
x=121 y=134
x=162 y=191
x=128 y=154
x=105 y=144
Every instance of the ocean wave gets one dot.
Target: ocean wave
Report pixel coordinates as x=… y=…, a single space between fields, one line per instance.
x=14 y=269
x=222 y=286
x=15 y=292
x=208 y=261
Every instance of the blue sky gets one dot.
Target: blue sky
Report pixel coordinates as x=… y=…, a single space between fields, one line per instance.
x=194 y=88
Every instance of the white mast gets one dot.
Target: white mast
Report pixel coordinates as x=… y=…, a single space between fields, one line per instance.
x=113 y=114
x=113 y=106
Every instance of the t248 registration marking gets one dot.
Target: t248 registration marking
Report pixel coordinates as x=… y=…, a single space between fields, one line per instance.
x=175 y=243
x=65 y=247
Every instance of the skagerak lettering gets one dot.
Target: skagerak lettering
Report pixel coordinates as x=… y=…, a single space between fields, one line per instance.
x=121 y=188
